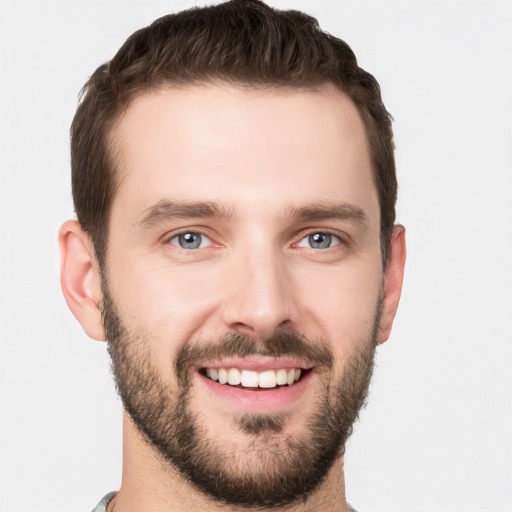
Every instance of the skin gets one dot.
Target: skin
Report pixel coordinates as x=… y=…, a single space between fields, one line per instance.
x=261 y=156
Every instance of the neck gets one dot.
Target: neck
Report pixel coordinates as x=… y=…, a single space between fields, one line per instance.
x=149 y=483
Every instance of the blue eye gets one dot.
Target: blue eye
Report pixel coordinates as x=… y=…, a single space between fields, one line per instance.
x=319 y=240
x=190 y=240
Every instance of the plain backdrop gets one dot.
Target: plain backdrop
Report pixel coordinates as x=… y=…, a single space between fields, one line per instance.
x=436 y=435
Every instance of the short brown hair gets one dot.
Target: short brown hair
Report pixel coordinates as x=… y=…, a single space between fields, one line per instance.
x=242 y=42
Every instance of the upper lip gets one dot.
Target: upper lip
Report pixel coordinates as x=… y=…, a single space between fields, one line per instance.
x=258 y=363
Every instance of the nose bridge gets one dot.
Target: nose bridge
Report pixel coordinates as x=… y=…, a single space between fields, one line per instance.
x=260 y=298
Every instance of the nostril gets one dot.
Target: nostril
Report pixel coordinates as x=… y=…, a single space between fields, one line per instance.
x=241 y=328
x=285 y=325
x=262 y=331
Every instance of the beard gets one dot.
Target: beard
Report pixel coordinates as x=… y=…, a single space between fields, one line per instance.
x=271 y=469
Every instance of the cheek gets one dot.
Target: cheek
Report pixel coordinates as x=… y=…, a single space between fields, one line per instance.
x=166 y=301
x=342 y=303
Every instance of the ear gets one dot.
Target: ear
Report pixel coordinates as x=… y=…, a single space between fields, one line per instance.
x=393 y=280
x=80 y=278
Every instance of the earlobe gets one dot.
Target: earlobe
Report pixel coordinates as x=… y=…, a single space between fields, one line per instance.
x=393 y=280
x=80 y=278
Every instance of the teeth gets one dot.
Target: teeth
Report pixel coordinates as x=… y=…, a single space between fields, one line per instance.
x=281 y=377
x=267 y=379
x=223 y=376
x=250 y=379
x=233 y=377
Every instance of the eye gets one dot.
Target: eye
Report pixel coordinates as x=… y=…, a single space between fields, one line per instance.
x=190 y=240
x=319 y=240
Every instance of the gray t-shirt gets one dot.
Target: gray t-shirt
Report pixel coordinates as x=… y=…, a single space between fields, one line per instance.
x=102 y=505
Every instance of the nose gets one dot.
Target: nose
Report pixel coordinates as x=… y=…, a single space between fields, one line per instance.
x=260 y=295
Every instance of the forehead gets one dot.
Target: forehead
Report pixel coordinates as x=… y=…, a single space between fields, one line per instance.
x=254 y=148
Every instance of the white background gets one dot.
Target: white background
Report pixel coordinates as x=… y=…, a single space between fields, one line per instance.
x=437 y=434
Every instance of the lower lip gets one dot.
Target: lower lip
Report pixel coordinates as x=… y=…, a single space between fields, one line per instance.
x=262 y=400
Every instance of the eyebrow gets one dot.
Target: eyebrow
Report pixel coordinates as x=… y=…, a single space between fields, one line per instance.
x=328 y=211
x=165 y=210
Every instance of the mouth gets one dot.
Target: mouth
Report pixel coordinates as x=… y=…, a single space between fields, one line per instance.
x=256 y=385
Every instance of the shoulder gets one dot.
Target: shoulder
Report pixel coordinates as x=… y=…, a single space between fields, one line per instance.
x=102 y=505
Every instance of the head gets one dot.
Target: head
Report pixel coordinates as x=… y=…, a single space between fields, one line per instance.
x=234 y=183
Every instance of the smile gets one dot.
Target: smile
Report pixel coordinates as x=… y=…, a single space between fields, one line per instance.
x=258 y=384
x=267 y=379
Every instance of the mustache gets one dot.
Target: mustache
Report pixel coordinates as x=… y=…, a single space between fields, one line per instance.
x=236 y=345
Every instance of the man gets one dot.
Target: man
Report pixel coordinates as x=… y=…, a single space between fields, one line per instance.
x=234 y=183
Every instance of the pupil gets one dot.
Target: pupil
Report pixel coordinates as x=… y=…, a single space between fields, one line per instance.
x=320 y=240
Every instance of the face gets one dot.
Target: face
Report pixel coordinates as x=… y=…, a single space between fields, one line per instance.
x=244 y=283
